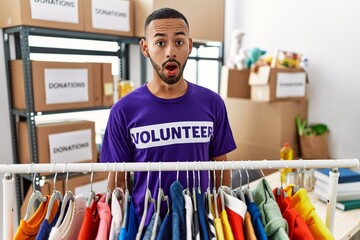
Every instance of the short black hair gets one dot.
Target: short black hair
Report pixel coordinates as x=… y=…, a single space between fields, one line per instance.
x=164 y=13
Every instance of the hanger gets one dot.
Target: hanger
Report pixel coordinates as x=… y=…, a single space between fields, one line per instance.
x=69 y=196
x=92 y=195
x=237 y=192
x=36 y=195
x=296 y=188
x=56 y=195
x=108 y=192
x=246 y=190
x=215 y=195
x=187 y=189
x=126 y=197
x=116 y=191
x=160 y=198
x=220 y=191
x=194 y=192
x=148 y=199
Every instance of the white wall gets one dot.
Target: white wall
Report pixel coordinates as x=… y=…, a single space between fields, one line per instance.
x=327 y=33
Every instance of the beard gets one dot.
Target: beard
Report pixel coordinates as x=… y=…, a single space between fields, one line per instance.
x=161 y=69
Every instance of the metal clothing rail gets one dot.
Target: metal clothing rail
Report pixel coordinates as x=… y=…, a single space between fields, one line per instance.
x=174 y=166
x=9 y=169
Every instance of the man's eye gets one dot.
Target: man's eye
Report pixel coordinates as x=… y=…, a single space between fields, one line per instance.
x=179 y=42
x=160 y=44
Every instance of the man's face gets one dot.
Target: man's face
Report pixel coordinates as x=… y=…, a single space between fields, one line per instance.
x=168 y=46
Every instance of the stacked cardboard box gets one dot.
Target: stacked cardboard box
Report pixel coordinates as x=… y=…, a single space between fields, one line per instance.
x=106 y=17
x=63 y=85
x=262 y=108
x=60 y=142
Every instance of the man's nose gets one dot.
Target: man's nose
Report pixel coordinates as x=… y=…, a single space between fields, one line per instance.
x=171 y=52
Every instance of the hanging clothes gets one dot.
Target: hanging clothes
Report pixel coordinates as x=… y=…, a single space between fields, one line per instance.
x=29 y=229
x=235 y=210
x=47 y=225
x=204 y=226
x=257 y=221
x=188 y=215
x=70 y=226
x=302 y=203
x=105 y=219
x=90 y=224
x=297 y=227
x=178 y=215
x=148 y=232
x=276 y=226
x=224 y=218
x=132 y=223
x=249 y=232
x=117 y=209
x=209 y=215
x=165 y=229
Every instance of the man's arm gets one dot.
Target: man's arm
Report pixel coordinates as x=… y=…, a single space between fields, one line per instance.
x=226 y=173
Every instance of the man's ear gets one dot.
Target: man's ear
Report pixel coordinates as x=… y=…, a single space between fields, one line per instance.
x=144 y=47
x=190 y=45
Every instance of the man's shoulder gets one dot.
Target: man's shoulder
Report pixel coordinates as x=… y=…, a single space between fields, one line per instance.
x=199 y=90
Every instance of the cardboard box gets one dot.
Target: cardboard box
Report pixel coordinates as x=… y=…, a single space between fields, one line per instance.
x=49 y=14
x=56 y=85
x=47 y=189
x=234 y=83
x=207 y=26
x=107 y=86
x=273 y=84
x=260 y=129
x=109 y=17
x=60 y=142
x=103 y=85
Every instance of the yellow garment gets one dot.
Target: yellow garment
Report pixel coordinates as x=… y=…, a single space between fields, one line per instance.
x=226 y=226
x=29 y=229
x=301 y=202
x=219 y=229
x=249 y=232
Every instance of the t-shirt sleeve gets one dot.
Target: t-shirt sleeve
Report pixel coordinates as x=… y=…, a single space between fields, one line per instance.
x=223 y=141
x=116 y=145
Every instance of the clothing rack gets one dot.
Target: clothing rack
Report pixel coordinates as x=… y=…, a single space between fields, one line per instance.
x=8 y=181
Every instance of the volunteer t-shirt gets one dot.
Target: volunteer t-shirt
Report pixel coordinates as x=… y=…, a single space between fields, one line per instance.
x=145 y=128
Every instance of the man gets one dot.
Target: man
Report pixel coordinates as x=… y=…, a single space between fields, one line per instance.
x=167 y=119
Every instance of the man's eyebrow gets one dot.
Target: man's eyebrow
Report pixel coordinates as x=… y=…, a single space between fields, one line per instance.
x=159 y=35
x=163 y=34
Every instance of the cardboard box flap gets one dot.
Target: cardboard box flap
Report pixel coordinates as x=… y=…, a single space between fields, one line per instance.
x=261 y=77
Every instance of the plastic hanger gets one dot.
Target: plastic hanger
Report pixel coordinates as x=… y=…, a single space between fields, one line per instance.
x=220 y=191
x=56 y=195
x=69 y=196
x=148 y=199
x=246 y=190
x=239 y=191
x=108 y=192
x=215 y=196
x=194 y=192
x=160 y=198
x=92 y=195
x=35 y=196
x=126 y=198
x=116 y=191
x=187 y=189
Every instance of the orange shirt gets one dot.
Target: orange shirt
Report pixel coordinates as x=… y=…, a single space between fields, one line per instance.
x=29 y=229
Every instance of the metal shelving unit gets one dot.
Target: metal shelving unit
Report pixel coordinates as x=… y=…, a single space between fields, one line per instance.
x=16 y=46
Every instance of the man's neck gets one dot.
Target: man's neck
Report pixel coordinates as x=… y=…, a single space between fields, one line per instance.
x=167 y=91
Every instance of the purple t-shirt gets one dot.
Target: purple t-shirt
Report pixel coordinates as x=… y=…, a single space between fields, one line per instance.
x=143 y=128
